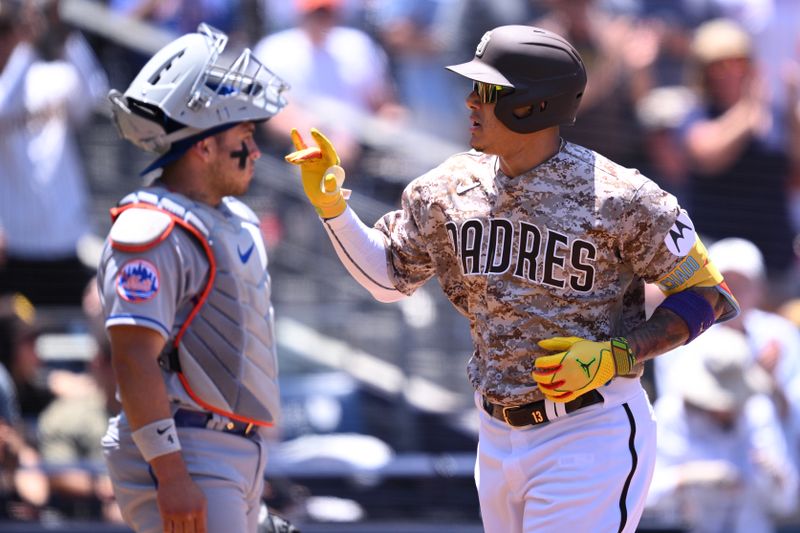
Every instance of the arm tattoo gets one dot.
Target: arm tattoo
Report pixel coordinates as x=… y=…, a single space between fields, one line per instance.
x=665 y=330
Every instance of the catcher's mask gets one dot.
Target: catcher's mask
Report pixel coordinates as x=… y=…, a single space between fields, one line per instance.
x=520 y=66
x=183 y=93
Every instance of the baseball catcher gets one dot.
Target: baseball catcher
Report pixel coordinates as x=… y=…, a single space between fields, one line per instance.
x=186 y=294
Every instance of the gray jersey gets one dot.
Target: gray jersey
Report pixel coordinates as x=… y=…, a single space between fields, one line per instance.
x=562 y=250
x=156 y=277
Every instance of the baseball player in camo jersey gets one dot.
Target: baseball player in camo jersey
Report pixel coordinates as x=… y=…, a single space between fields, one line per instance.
x=186 y=295
x=545 y=246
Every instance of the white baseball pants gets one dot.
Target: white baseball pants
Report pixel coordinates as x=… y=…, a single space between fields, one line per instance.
x=588 y=471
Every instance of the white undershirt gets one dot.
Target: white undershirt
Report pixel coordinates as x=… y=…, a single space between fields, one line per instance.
x=362 y=250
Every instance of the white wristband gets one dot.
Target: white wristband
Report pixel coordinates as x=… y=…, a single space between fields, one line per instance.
x=156 y=439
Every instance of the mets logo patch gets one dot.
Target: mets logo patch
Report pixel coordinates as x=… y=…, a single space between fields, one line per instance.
x=137 y=281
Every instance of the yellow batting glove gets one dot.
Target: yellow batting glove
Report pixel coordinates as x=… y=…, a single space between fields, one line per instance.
x=321 y=174
x=580 y=366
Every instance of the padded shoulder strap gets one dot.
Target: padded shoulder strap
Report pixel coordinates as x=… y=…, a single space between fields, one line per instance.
x=138 y=227
x=240 y=209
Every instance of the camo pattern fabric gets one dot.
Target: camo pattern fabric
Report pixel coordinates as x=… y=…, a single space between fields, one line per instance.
x=561 y=250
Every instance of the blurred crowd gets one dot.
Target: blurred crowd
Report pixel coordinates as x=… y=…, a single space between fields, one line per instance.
x=702 y=96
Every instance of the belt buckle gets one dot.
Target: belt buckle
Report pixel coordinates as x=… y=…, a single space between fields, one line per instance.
x=231 y=426
x=505 y=415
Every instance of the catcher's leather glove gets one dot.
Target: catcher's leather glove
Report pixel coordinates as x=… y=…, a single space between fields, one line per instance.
x=582 y=366
x=321 y=174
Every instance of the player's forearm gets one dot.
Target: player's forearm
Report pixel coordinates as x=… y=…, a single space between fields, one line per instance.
x=665 y=330
x=134 y=353
x=141 y=388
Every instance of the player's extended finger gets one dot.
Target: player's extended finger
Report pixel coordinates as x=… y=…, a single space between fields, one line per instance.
x=325 y=145
x=301 y=156
x=558 y=343
x=297 y=140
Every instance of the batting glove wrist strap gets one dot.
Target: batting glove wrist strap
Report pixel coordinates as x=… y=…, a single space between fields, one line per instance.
x=623 y=357
x=156 y=439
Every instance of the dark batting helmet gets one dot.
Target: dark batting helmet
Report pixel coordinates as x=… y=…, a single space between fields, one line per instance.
x=542 y=68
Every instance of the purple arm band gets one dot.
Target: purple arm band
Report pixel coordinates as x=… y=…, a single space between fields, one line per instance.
x=693 y=309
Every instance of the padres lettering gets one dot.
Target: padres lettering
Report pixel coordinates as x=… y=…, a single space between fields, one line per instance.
x=523 y=248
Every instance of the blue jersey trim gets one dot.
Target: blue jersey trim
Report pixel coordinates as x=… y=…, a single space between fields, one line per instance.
x=125 y=317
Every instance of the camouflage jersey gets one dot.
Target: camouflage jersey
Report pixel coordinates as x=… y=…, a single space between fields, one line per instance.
x=561 y=250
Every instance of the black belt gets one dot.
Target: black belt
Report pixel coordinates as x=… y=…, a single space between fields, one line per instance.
x=534 y=413
x=186 y=418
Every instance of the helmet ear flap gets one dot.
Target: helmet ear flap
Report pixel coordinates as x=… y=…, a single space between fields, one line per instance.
x=546 y=111
x=143 y=132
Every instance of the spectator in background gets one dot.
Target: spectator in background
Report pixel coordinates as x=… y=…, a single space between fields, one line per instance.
x=722 y=464
x=17 y=315
x=182 y=16
x=18 y=335
x=773 y=27
x=774 y=339
x=619 y=52
x=660 y=113
x=281 y=15
x=49 y=83
x=70 y=430
x=338 y=73
x=415 y=34
x=23 y=486
x=739 y=183
x=676 y=21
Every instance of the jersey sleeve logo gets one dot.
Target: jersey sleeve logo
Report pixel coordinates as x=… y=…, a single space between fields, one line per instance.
x=464 y=187
x=681 y=236
x=137 y=281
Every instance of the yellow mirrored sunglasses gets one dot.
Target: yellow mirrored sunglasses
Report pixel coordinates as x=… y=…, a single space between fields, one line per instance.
x=489 y=92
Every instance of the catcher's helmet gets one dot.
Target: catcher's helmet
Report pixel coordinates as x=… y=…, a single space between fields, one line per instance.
x=542 y=68
x=183 y=92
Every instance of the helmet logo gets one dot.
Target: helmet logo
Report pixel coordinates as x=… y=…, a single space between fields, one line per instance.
x=482 y=45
